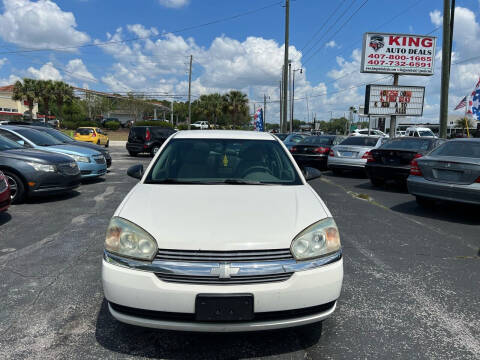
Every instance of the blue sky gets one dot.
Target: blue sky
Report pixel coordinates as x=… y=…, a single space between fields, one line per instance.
x=245 y=53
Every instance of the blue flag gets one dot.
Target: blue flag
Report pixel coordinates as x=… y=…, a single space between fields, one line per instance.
x=258 y=120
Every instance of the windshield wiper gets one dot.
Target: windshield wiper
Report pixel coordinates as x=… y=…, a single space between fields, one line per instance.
x=174 y=181
x=240 y=182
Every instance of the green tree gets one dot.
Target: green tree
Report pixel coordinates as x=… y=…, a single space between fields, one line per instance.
x=63 y=95
x=463 y=123
x=236 y=103
x=46 y=93
x=26 y=91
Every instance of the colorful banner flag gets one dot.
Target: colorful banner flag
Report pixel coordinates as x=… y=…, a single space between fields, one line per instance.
x=476 y=102
x=258 y=120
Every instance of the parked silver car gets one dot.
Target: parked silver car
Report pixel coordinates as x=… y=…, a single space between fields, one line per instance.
x=352 y=153
x=450 y=172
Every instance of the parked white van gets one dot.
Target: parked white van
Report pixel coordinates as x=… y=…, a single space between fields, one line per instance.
x=419 y=132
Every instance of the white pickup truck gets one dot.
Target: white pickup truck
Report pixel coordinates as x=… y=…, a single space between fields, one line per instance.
x=202 y=125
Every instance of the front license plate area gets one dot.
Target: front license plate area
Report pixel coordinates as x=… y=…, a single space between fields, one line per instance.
x=224 y=307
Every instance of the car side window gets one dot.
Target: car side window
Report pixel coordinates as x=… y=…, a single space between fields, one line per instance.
x=13 y=137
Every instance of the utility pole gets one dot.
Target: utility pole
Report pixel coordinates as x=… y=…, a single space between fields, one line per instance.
x=190 y=94
x=264 y=112
x=308 y=111
x=393 y=118
x=281 y=104
x=446 y=54
x=171 y=112
x=285 y=64
x=290 y=90
x=293 y=90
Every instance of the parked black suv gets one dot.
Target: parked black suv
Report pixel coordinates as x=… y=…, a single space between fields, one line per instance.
x=146 y=139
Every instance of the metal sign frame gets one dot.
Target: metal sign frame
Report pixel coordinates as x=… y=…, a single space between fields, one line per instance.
x=364 y=46
x=399 y=88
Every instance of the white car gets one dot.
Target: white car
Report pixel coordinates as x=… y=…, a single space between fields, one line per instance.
x=419 y=132
x=364 y=132
x=222 y=233
x=202 y=125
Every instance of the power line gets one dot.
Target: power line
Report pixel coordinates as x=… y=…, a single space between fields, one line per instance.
x=107 y=43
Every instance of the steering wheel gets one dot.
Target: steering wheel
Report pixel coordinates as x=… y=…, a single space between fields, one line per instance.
x=256 y=168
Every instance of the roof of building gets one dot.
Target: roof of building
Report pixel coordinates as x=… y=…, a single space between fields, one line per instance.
x=8 y=88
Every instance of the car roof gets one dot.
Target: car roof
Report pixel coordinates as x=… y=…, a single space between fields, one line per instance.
x=224 y=134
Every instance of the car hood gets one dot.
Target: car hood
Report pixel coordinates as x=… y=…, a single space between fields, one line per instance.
x=222 y=217
x=36 y=155
x=89 y=145
x=72 y=150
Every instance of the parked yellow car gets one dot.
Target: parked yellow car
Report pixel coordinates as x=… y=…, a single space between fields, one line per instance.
x=92 y=134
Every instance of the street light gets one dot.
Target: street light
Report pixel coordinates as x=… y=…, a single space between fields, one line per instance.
x=293 y=96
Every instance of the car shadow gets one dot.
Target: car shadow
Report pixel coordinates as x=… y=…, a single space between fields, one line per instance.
x=153 y=343
x=5 y=217
x=441 y=210
x=42 y=199
x=355 y=174
x=95 y=180
x=389 y=186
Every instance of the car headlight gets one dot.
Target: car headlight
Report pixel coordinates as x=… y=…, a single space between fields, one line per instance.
x=317 y=240
x=79 y=158
x=43 y=167
x=127 y=239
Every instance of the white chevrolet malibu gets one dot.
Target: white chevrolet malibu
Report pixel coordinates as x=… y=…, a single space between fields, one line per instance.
x=222 y=233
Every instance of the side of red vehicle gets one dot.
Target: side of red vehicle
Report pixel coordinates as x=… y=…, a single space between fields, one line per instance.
x=4 y=193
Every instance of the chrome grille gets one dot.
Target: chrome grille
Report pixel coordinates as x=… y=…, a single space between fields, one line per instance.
x=234 y=280
x=224 y=256
x=69 y=168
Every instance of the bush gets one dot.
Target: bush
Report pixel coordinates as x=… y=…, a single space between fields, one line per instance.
x=112 y=125
x=183 y=127
x=70 y=125
x=87 y=123
x=163 y=124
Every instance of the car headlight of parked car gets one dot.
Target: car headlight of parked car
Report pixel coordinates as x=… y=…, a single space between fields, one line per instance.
x=43 y=167
x=79 y=158
x=317 y=240
x=127 y=239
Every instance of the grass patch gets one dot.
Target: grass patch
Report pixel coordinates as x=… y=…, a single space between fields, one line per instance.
x=117 y=135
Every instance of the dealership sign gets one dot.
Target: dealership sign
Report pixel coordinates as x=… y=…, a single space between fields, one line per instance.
x=398 y=54
x=386 y=100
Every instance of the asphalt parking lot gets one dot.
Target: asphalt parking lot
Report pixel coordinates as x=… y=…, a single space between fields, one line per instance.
x=411 y=286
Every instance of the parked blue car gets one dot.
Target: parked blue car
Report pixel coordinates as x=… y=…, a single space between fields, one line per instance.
x=90 y=162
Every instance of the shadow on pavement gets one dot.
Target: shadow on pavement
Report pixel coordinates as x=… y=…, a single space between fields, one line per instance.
x=151 y=343
x=96 y=180
x=52 y=198
x=387 y=187
x=354 y=174
x=5 y=217
x=445 y=211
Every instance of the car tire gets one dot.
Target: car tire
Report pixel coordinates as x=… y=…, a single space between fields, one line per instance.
x=424 y=202
x=98 y=142
x=154 y=150
x=107 y=144
x=377 y=182
x=16 y=187
x=133 y=153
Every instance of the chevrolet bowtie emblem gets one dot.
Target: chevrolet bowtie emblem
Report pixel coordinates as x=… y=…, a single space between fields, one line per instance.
x=224 y=271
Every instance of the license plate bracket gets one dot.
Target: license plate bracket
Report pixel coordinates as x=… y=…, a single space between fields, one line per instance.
x=224 y=307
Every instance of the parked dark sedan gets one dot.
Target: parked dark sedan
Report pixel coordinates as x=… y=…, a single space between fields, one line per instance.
x=68 y=140
x=36 y=172
x=450 y=172
x=391 y=161
x=4 y=193
x=146 y=139
x=313 y=150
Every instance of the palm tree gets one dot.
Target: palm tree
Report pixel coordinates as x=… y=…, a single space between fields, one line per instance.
x=218 y=105
x=46 y=92
x=236 y=103
x=26 y=91
x=63 y=94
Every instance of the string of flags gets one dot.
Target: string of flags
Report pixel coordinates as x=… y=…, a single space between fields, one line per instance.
x=471 y=103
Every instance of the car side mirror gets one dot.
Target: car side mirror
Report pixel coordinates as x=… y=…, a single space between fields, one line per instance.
x=311 y=173
x=135 y=171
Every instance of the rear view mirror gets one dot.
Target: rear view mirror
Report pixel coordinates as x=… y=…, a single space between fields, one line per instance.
x=135 y=171
x=311 y=173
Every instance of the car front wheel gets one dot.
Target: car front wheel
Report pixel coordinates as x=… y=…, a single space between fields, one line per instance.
x=17 y=189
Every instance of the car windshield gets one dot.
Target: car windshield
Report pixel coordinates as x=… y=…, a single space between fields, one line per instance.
x=407 y=144
x=426 y=133
x=39 y=138
x=7 y=144
x=281 y=136
x=295 y=138
x=83 y=131
x=317 y=140
x=470 y=149
x=223 y=161
x=360 y=141
x=58 y=135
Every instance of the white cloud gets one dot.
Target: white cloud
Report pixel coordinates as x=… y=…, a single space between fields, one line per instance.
x=436 y=17
x=10 y=80
x=174 y=3
x=331 y=44
x=141 y=30
x=76 y=69
x=46 y=72
x=38 y=25
x=3 y=61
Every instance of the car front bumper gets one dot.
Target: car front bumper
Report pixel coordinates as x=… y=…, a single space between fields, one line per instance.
x=137 y=297
x=419 y=186
x=53 y=183
x=92 y=169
